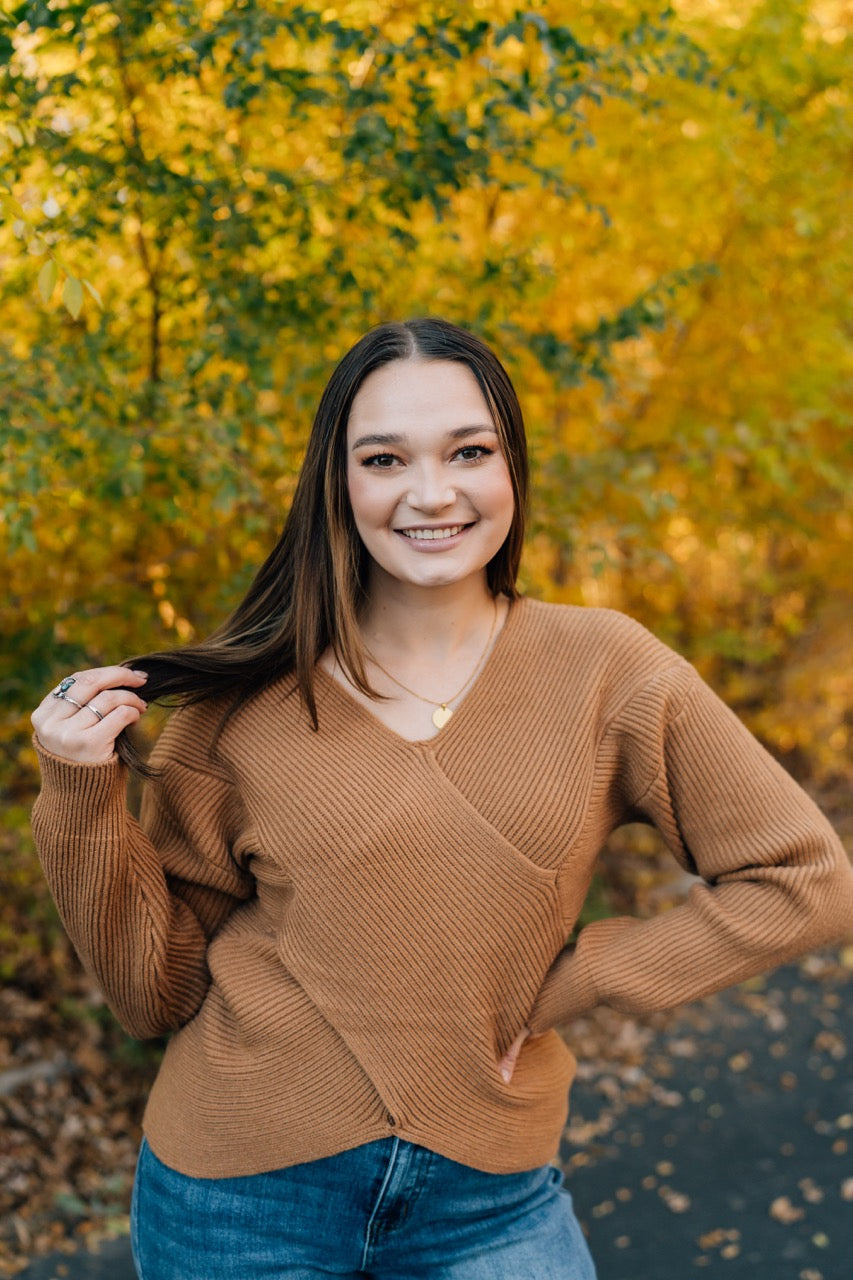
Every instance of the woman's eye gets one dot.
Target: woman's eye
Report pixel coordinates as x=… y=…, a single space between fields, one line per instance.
x=381 y=460
x=471 y=452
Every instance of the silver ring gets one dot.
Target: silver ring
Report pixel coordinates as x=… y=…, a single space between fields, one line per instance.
x=73 y=701
x=90 y=707
x=64 y=685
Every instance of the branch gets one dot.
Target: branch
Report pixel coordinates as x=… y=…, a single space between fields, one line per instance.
x=151 y=269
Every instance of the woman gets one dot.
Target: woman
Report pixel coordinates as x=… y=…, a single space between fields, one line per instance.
x=371 y=830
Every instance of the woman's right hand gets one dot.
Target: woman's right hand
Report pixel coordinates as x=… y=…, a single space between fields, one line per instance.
x=82 y=721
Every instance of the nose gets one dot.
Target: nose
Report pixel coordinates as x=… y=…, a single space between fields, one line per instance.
x=430 y=490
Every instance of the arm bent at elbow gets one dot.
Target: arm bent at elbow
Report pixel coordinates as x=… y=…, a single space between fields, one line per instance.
x=776 y=881
x=141 y=901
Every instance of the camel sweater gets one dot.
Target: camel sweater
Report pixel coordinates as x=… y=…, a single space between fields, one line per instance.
x=346 y=930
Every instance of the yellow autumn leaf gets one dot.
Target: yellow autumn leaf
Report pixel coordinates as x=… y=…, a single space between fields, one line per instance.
x=47 y=279
x=72 y=295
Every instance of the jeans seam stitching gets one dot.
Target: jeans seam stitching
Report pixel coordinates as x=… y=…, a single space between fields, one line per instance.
x=392 y=1160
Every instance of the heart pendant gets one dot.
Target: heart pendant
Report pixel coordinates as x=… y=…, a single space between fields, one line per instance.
x=440 y=716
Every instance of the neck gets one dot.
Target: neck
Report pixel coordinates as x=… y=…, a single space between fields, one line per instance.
x=431 y=620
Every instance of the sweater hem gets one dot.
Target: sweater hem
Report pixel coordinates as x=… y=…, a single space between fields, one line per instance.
x=227 y=1162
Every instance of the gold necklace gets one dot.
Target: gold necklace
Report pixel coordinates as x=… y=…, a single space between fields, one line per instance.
x=442 y=712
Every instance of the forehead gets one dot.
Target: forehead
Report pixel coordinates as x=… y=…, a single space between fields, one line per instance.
x=416 y=394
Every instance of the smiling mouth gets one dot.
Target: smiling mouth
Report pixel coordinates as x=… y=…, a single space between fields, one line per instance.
x=432 y=534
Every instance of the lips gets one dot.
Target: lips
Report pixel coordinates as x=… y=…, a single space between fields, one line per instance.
x=432 y=534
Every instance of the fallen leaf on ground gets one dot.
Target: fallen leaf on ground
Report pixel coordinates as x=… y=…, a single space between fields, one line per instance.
x=784 y=1211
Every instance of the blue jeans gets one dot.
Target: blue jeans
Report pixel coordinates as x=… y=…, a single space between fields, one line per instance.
x=387 y=1210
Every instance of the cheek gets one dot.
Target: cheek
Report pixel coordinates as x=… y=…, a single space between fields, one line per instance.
x=500 y=498
x=361 y=495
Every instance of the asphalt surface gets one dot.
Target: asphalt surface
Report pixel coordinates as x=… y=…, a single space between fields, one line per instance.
x=742 y=1166
x=751 y=1173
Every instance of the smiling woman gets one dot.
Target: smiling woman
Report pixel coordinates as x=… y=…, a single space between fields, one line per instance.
x=367 y=835
x=432 y=509
x=440 y=487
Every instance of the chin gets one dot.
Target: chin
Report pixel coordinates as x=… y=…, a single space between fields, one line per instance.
x=446 y=578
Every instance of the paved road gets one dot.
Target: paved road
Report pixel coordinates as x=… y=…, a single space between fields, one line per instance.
x=760 y=1118
x=766 y=1123
x=112 y=1261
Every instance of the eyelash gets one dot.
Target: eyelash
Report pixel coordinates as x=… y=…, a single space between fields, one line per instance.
x=482 y=450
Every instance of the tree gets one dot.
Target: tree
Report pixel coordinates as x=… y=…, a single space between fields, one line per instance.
x=249 y=187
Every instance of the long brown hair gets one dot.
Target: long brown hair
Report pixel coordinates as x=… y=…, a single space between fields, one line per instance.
x=307 y=594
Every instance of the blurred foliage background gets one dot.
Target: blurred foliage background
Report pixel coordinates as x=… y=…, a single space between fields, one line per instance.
x=640 y=207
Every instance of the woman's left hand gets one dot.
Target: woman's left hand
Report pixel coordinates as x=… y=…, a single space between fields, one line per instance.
x=508 y=1061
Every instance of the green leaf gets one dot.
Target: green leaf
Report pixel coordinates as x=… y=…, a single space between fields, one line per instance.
x=90 y=289
x=47 y=280
x=72 y=296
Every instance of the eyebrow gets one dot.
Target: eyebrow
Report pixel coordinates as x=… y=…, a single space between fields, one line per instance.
x=458 y=433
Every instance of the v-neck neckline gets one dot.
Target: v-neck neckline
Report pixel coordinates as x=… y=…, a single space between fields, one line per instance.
x=472 y=696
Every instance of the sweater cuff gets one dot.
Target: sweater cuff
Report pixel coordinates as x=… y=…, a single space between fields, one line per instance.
x=568 y=991
x=75 y=797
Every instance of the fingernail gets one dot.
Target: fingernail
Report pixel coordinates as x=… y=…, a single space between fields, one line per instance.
x=506 y=1076
x=143 y=674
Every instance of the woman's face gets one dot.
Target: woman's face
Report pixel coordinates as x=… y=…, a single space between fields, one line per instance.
x=429 y=487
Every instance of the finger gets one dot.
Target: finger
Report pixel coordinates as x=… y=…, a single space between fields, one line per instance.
x=508 y=1061
x=515 y=1047
x=96 y=678
x=108 y=700
x=53 y=712
x=93 y=679
x=108 y=729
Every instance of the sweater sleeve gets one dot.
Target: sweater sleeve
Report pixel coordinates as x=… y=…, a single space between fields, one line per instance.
x=141 y=900
x=775 y=880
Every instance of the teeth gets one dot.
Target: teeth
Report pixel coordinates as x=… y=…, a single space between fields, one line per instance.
x=430 y=535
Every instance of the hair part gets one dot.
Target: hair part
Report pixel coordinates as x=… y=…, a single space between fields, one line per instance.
x=307 y=595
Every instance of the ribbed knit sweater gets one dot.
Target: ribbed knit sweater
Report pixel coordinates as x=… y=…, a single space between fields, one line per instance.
x=349 y=929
